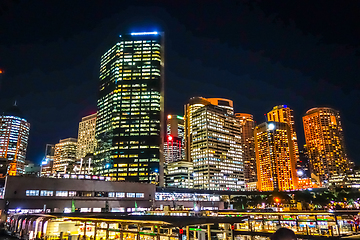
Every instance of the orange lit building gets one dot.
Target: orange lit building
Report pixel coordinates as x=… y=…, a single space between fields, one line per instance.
x=325 y=143
x=283 y=113
x=275 y=158
x=305 y=183
x=248 y=145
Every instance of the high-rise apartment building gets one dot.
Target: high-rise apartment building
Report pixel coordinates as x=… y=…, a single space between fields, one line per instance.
x=283 y=113
x=275 y=158
x=325 y=143
x=248 y=146
x=130 y=110
x=14 y=134
x=174 y=149
x=86 y=136
x=213 y=136
x=65 y=155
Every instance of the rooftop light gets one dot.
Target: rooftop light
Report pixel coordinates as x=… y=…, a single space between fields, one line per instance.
x=144 y=33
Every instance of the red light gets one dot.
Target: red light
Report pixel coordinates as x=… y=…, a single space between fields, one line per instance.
x=232 y=227
x=181 y=231
x=277 y=200
x=170 y=138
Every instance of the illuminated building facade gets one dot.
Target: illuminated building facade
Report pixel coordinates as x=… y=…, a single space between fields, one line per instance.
x=248 y=146
x=130 y=110
x=325 y=143
x=174 y=149
x=86 y=136
x=14 y=134
x=179 y=174
x=283 y=113
x=214 y=139
x=48 y=162
x=65 y=155
x=275 y=158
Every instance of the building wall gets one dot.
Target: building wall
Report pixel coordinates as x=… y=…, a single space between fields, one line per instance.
x=14 y=134
x=86 y=136
x=16 y=188
x=129 y=129
x=275 y=159
x=325 y=143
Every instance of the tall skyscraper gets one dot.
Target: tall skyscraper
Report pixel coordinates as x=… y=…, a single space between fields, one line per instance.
x=214 y=144
x=174 y=149
x=129 y=129
x=14 y=134
x=283 y=113
x=248 y=146
x=325 y=143
x=65 y=155
x=86 y=136
x=275 y=158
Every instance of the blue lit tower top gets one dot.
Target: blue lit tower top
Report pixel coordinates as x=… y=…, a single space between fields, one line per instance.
x=130 y=109
x=14 y=134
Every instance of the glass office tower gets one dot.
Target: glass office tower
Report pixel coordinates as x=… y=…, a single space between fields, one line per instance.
x=214 y=140
x=130 y=110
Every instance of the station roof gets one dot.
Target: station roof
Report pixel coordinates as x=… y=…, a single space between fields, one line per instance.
x=171 y=221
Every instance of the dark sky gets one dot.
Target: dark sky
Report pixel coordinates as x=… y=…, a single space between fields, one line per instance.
x=258 y=53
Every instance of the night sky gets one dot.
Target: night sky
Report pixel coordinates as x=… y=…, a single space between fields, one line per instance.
x=257 y=53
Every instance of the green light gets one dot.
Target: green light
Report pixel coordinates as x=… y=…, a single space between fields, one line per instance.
x=195 y=229
x=146 y=233
x=179 y=117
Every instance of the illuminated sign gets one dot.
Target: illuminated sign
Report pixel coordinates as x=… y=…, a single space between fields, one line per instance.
x=144 y=33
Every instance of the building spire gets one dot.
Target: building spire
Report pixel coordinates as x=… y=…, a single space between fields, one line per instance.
x=15 y=103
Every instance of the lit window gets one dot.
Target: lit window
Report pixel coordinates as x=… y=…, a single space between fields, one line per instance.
x=45 y=193
x=32 y=192
x=130 y=195
x=61 y=193
x=111 y=194
x=72 y=193
x=120 y=195
x=140 y=195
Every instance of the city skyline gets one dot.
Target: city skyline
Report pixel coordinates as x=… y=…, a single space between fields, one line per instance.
x=255 y=90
